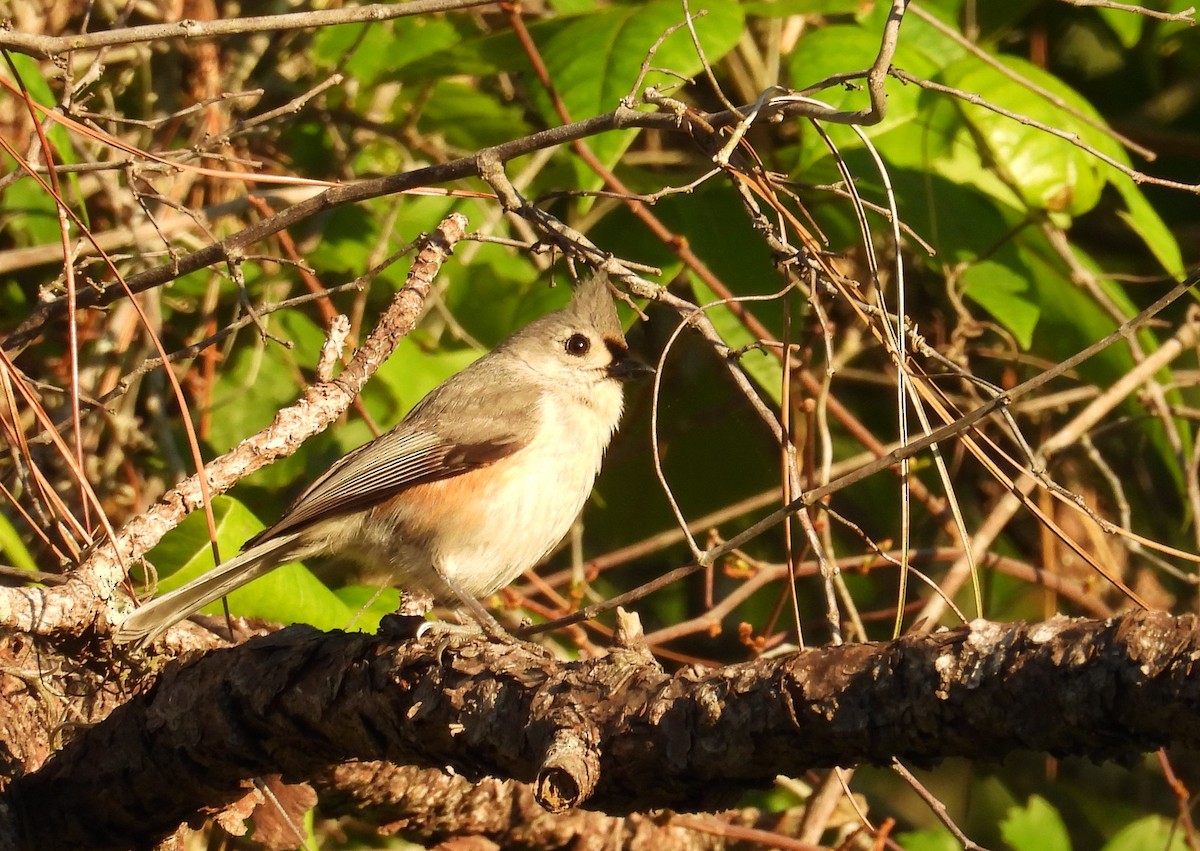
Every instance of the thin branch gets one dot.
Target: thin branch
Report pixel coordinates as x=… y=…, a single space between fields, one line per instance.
x=1187 y=16
x=332 y=198
x=47 y=47
x=936 y=806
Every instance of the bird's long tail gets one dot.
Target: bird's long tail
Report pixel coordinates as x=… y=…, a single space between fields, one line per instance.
x=152 y=619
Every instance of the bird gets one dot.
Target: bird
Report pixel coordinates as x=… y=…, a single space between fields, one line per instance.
x=474 y=486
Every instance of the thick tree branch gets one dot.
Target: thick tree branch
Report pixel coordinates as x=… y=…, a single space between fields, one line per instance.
x=430 y=806
x=300 y=701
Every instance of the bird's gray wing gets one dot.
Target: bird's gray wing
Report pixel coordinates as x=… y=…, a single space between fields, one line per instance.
x=469 y=421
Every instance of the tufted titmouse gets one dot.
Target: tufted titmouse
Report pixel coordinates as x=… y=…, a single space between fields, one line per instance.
x=479 y=482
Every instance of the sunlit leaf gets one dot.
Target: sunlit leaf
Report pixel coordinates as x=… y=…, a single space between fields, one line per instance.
x=762 y=366
x=1127 y=27
x=288 y=594
x=1144 y=220
x=468 y=118
x=261 y=378
x=1152 y=833
x=411 y=371
x=33 y=79
x=594 y=79
x=932 y=839
x=1006 y=295
x=372 y=52
x=1035 y=827
x=1049 y=172
x=13 y=547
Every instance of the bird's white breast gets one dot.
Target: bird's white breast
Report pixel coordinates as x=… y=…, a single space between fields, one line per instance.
x=485 y=527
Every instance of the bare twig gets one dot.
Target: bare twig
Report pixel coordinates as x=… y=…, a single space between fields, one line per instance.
x=46 y=47
x=1187 y=16
x=936 y=806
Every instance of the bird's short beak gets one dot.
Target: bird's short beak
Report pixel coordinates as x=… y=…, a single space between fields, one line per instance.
x=627 y=368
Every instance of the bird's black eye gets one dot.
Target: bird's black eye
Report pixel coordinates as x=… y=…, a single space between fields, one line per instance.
x=577 y=345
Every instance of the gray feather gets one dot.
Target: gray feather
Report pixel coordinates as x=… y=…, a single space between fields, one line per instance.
x=447 y=433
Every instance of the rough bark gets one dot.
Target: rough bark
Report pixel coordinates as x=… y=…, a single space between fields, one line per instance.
x=430 y=806
x=617 y=734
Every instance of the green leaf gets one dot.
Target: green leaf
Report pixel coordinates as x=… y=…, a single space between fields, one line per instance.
x=346 y=243
x=853 y=46
x=469 y=118
x=13 y=547
x=29 y=213
x=571 y=7
x=1035 y=827
x=787 y=8
x=179 y=556
x=1049 y=173
x=373 y=52
x=997 y=20
x=1152 y=833
x=923 y=50
x=498 y=292
x=31 y=76
x=836 y=49
x=712 y=223
x=930 y=839
x=262 y=377
x=1125 y=26
x=594 y=60
x=288 y=594
x=962 y=209
x=1072 y=319
x=412 y=371
x=1145 y=221
x=369 y=604
x=15 y=301
x=1003 y=292
x=833 y=50
x=763 y=367
x=1087 y=49
x=416 y=37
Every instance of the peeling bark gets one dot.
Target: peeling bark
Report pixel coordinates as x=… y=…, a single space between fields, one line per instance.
x=300 y=701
